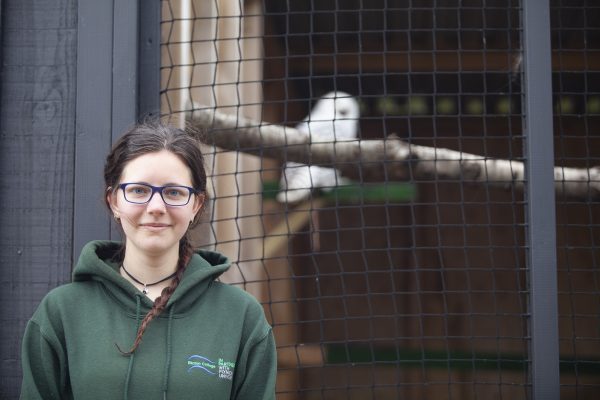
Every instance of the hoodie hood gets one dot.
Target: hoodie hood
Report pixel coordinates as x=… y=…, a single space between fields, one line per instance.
x=97 y=263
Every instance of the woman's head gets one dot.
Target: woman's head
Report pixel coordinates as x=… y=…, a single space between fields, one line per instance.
x=154 y=137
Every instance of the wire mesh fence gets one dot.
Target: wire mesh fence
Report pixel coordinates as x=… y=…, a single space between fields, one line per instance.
x=576 y=87
x=396 y=277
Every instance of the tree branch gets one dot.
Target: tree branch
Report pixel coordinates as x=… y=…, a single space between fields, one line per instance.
x=379 y=160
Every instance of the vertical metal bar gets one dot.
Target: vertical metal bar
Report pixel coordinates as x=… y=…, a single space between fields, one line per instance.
x=149 y=58
x=125 y=72
x=93 y=119
x=1 y=37
x=125 y=61
x=541 y=234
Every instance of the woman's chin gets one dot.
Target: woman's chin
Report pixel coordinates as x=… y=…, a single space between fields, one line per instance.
x=156 y=245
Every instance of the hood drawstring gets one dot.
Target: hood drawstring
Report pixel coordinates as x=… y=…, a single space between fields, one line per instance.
x=138 y=306
x=169 y=346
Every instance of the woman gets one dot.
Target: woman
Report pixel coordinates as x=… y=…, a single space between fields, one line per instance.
x=146 y=319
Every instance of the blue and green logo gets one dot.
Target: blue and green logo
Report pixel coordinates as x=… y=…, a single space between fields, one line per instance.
x=202 y=363
x=222 y=369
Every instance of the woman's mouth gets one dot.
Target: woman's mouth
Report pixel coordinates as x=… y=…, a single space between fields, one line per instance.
x=155 y=226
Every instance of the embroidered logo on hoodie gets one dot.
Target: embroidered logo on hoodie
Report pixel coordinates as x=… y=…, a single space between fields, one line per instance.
x=221 y=369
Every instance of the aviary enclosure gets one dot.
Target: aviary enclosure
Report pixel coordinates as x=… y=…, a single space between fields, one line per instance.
x=412 y=281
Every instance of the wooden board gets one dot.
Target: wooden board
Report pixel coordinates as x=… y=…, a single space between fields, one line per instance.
x=37 y=114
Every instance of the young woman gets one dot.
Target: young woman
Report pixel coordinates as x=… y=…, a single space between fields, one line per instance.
x=145 y=319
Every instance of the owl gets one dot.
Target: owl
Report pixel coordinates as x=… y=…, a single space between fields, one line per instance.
x=333 y=118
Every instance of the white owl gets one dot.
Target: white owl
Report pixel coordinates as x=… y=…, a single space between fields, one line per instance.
x=333 y=118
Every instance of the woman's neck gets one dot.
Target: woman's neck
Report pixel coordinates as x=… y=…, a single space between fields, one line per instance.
x=149 y=268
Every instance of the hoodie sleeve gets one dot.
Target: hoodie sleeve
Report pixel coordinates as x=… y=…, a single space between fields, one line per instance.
x=43 y=365
x=261 y=371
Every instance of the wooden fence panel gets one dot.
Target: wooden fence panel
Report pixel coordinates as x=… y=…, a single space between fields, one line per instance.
x=37 y=114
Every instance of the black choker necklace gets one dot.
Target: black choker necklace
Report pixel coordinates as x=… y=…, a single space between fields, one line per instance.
x=147 y=285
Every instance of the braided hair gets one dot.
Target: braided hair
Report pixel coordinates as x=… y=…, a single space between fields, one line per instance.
x=149 y=137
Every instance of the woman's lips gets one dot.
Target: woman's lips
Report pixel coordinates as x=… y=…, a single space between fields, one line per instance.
x=155 y=226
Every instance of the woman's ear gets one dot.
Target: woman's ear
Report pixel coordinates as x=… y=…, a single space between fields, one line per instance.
x=198 y=203
x=111 y=200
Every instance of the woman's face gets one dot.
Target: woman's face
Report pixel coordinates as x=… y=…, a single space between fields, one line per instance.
x=155 y=228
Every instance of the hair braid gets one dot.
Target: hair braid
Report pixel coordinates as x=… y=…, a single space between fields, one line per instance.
x=185 y=254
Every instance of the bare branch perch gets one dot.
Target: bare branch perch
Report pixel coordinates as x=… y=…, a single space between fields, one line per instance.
x=380 y=160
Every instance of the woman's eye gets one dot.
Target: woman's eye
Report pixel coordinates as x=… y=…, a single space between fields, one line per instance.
x=174 y=192
x=137 y=190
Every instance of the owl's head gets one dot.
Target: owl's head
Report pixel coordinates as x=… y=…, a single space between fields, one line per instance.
x=336 y=106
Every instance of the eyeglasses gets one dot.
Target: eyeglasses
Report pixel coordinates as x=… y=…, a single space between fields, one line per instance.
x=172 y=195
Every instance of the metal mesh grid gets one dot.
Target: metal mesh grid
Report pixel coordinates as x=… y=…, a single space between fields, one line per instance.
x=392 y=288
x=576 y=98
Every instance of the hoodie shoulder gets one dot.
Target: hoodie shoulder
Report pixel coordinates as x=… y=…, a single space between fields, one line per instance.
x=235 y=301
x=60 y=304
x=229 y=294
x=235 y=294
x=65 y=296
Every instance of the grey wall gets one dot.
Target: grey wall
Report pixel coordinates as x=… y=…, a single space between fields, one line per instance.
x=37 y=132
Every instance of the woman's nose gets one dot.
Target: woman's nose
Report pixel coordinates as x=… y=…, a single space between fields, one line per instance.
x=156 y=203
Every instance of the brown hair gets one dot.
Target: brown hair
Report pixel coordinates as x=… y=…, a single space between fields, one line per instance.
x=150 y=137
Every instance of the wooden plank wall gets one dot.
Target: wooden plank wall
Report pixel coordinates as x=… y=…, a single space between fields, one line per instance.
x=37 y=124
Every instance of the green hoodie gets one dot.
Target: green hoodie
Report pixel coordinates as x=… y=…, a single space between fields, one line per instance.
x=212 y=341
